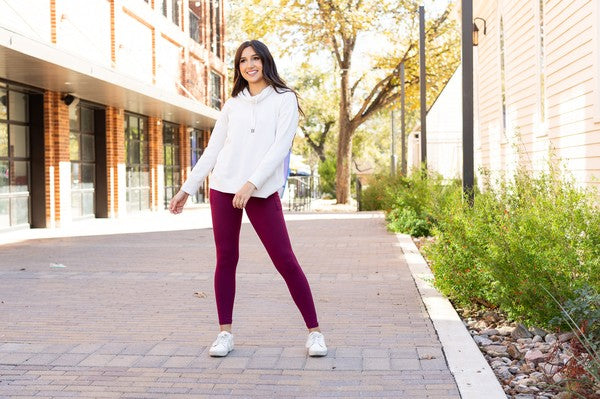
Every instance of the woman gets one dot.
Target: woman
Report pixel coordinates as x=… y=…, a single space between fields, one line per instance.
x=247 y=155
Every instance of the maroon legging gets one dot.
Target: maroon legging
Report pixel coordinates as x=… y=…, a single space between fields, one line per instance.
x=266 y=217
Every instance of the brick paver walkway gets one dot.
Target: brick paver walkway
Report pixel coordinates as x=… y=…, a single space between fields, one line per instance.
x=131 y=316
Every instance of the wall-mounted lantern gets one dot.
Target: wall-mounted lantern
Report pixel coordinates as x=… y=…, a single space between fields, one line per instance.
x=476 y=31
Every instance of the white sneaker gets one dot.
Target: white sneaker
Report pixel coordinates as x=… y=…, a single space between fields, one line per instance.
x=316 y=344
x=222 y=345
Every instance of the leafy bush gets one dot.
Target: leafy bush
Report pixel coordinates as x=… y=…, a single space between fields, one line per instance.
x=327 y=175
x=380 y=193
x=412 y=203
x=407 y=220
x=519 y=238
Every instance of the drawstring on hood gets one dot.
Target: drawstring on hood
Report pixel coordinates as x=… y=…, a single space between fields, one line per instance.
x=253 y=100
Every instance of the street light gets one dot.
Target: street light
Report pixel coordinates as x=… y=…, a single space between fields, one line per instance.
x=476 y=31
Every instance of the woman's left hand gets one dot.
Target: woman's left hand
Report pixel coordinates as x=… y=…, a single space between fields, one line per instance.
x=240 y=199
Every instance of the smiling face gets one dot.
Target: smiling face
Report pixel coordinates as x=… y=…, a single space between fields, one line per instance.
x=251 y=67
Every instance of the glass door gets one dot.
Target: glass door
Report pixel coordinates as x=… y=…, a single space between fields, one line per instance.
x=172 y=163
x=83 y=161
x=137 y=163
x=14 y=158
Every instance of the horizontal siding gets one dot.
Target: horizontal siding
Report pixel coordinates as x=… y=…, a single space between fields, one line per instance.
x=570 y=90
x=569 y=79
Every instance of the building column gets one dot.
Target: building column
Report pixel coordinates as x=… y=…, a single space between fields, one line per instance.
x=157 y=162
x=115 y=161
x=185 y=153
x=57 y=161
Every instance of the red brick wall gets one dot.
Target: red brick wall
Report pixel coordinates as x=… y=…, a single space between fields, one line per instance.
x=115 y=152
x=53 y=21
x=155 y=138
x=56 y=140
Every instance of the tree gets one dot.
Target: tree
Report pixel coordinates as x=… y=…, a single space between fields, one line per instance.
x=386 y=34
x=319 y=102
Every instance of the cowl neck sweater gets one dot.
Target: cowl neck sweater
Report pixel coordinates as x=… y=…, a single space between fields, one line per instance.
x=250 y=142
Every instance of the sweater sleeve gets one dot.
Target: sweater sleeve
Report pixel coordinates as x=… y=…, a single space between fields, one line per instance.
x=287 y=124
x=208 y=159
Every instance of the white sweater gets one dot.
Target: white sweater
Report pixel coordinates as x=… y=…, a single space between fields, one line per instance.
x=249 y=142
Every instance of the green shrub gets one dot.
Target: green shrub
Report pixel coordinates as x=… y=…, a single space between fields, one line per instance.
x=380 y=192
x=412 y=203
x=406 y=220
x=519 y=237
x=327 y=176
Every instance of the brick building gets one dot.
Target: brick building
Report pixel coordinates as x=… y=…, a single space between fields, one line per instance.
x=104 y=104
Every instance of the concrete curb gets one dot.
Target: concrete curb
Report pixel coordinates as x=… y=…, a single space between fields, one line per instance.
x=473 y=375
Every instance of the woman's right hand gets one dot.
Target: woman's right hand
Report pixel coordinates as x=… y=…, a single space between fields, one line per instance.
x=177 y=202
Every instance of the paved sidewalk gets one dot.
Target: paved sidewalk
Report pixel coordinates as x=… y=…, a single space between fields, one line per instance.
x=131 y=315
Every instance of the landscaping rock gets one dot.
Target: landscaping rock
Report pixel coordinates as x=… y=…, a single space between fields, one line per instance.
x=505 y=330
x=565 y=337
x=513 y=352
x=495 y=350
x=537 y=338
x=550 y=338
x=489 y=332
x=504 y=373
x=538 y=331
x=520 y=332
x=482 y=341
x=534 y=356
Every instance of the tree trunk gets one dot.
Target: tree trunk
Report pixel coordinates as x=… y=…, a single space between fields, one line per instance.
x=344 y=161
x=347 y=128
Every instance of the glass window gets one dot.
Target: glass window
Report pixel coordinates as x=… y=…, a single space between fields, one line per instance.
x=145 y=176
x=75 y=175
x=88 y=175
x=4 y=177
x=76 y=203
x=175 y=4
x=87 y=148
x=3 y=103
x=74 y=118
x=19 y=141
x=3 y=140
x=87 y=205
x=215 y=90
x=83 y=167
x=137 y=168
x=87 y=120
x=20 y=176
x=4 y=212
x=17 y=107
x=194 y=26
x=74 y=146
x=19 y=210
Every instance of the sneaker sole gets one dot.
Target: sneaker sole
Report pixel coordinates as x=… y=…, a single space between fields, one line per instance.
x=317 y=353
x=218 y=354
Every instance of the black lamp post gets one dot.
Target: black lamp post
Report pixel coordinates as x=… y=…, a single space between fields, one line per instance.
x=468 y=33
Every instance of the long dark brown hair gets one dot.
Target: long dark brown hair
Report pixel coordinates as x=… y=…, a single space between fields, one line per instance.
x=269 y=70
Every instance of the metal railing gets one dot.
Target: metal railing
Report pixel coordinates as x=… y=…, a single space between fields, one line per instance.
x=301 y=190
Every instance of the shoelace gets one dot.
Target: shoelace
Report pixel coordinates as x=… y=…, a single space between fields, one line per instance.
x=221 y=340
x=318 y=339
